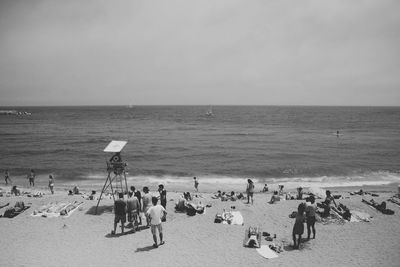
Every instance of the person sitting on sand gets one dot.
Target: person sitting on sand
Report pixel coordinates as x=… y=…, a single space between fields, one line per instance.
x=146 y=200
x=250 y=191
x=298 y=228
x=75 y=190
x=217 y=195
x=120 y=213
x=156 y=214
x=311 y=208
x=326 y=204
x=299 y=193
x=15 y=191
x=187 y=196
x=233 y=196
x=265 y=189
x=180 y=205
x=132 y=205
x=275 y=197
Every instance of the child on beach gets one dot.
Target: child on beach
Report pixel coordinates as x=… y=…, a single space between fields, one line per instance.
x=51 y=183
x=31 y=178
x=155 y=214
x=7 y=176
x=311 y=208
x=120 y=213
x=250 y=191
x=298 y=228
x=196 y=184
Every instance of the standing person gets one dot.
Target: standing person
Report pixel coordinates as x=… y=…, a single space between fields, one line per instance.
x=250 y=191
x=155 y=214
x=196 y=184
x=120 y=213
x=310 y=216
x=133 y=208
x=163 y=195
x=138 y=195
x=298 y=228
x=31 y=178
x=7 y=176
x=51 y=183
x=147 y=203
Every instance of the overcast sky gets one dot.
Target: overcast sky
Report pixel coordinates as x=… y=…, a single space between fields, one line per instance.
x=86 y=52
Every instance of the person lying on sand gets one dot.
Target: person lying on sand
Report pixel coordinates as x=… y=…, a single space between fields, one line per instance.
x=381 y=207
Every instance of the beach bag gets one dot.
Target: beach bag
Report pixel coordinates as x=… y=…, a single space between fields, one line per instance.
x=191 y=211
x=218 y=218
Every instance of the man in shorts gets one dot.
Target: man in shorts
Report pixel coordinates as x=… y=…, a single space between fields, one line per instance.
x=120 y=212
x=133 y=208
x=155 y=214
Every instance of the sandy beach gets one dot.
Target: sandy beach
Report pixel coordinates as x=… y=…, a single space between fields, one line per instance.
x=84 y=238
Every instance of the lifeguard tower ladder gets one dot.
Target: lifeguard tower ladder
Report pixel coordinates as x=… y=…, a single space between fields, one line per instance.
x=116 y=170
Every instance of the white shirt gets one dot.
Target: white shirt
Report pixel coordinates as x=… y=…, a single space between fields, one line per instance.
x=155 y=213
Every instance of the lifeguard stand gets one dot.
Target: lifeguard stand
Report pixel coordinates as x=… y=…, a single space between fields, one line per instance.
x=116 y=170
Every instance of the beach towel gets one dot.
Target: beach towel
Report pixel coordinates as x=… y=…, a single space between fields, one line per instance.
x=358 y=216
x=70 y=208
x=50 y=210
x=233 y=218
x=266 y=252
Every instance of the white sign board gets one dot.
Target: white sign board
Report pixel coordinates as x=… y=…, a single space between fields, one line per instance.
x=115 y=146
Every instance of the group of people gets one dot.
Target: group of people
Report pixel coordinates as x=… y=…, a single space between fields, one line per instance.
x=138 y=204
x=31 y=176
x=306 y=212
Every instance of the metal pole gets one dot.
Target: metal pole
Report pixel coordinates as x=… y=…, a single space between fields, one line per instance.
x=102 y=191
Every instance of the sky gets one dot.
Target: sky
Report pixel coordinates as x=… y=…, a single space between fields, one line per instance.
x=204 y=52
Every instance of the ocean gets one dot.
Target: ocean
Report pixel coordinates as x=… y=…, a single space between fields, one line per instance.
x=292 y=145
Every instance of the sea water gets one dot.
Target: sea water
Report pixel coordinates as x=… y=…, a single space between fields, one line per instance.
x=292 y=145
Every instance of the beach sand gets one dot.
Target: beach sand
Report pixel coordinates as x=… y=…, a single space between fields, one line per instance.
x=83 y=239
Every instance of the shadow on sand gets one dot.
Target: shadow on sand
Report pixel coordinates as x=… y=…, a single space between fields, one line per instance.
x=148 y=248
x=100 y=210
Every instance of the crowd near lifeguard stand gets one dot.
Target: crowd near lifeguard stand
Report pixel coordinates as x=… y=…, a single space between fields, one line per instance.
x=116 y=171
